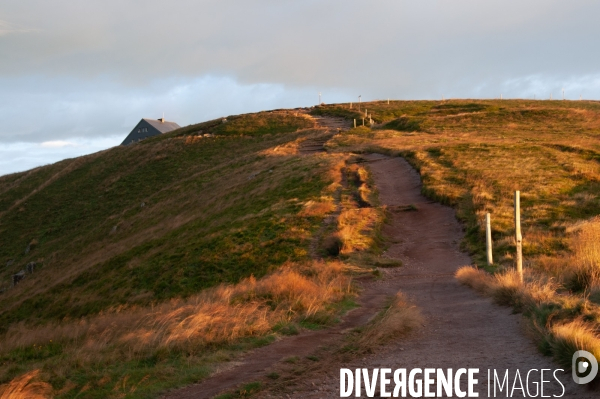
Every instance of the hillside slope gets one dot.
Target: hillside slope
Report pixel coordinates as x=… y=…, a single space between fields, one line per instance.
x=131 y=244
x=159 y=219
x=157 y=261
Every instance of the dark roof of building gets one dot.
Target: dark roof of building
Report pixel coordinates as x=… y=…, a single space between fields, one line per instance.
x=163 y=127
x=142 y=131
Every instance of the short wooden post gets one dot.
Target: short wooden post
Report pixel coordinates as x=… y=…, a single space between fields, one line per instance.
x=355 y=123
x=363 y=121
x=350 y=105
x=388 y=101
x=518 y=236
x=488 y=239
x=365 y=112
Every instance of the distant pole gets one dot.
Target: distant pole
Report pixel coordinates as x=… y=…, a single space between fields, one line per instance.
x=359 y=96
x=319 y=98
x=355 y=123
x=365 y=112
x=388 y=100
x=350 y=105
x=563 y=90
x=488 y=239
x=518 y=236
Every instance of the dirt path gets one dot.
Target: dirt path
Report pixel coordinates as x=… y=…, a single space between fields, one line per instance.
x=462 y=328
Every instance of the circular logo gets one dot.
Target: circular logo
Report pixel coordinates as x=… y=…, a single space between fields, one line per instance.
x=584 y=366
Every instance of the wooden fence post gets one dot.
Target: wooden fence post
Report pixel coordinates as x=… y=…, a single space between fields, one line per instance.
x=518 y=236
x=488 y=239
x=363 y=121
x=355 y=123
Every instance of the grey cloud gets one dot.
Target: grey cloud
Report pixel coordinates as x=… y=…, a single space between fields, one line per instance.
x=396 y=45
x=85 y=69
x=36 y=109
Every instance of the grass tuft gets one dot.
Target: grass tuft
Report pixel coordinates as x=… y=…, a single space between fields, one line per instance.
x=26 y=386
x=398 y=319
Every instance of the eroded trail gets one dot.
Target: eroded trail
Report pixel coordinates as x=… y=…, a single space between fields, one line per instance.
x=462 y=330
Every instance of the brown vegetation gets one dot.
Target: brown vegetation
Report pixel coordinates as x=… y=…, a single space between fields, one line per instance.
x=398 y=319
x=218 y=315
x=26 y=387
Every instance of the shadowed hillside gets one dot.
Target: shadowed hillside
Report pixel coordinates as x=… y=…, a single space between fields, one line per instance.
x=163 y=218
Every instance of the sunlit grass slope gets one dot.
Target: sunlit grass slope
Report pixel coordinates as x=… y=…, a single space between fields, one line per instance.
x=473 y=155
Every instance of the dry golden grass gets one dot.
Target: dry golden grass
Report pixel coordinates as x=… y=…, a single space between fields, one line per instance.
x=474 y=278
x=570 y=337
x=26 y=386
x=583 y=265
x=220 y=315
x=354 y=226
x=398 y=319
x=318 y=208
x=506 y=289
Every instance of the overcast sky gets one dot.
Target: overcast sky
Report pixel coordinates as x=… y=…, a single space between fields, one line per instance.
x=76 y=76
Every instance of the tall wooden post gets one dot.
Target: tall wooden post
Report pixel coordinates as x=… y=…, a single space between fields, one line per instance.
x=488 y=239
x=518 y=236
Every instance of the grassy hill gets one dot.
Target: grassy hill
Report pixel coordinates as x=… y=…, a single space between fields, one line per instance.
x=155 y=220
x=473 y=155
x=132 y=244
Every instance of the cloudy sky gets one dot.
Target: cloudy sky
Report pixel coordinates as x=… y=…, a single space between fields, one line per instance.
x=76 y=76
